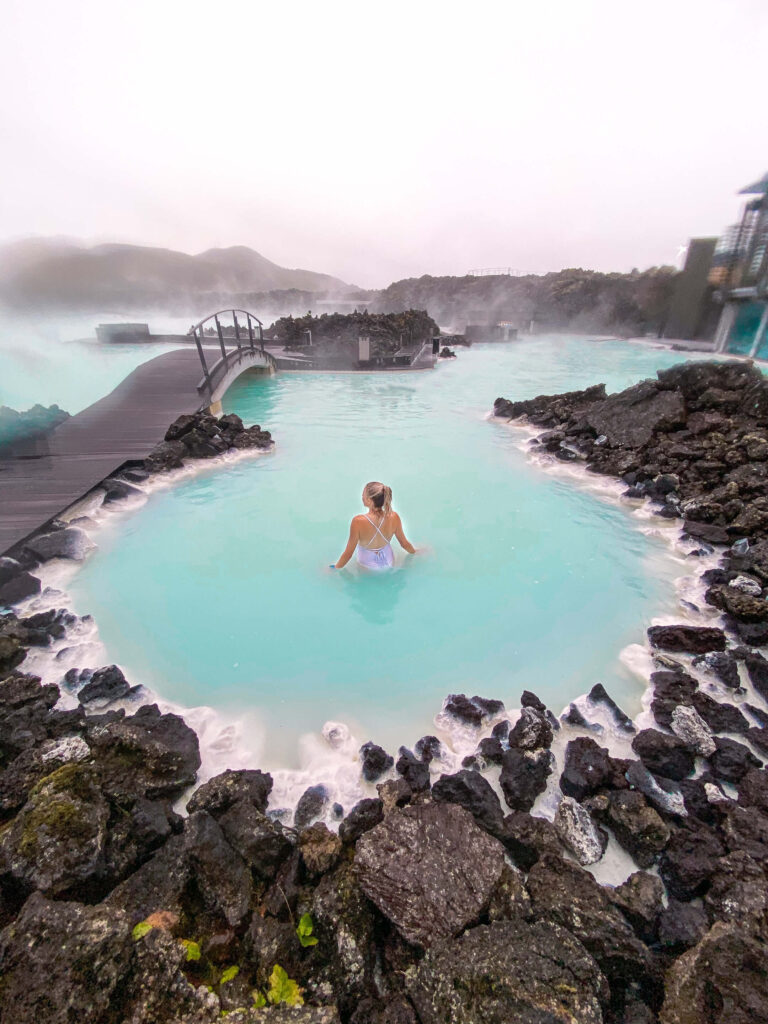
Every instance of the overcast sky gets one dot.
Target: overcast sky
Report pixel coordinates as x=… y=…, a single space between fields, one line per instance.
x=379 y=141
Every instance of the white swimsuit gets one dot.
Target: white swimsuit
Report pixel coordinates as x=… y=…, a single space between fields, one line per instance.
x=376 y=558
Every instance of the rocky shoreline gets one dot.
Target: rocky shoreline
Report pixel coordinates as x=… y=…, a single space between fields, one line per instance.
x=441 y=898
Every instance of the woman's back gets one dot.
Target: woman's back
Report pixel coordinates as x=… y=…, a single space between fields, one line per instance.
x=376 y=531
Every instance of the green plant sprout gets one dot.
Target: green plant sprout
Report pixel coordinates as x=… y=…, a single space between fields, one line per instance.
x=142 y=928
x=305 y=929
x=229 y=974
x=282 y=989
x=192 y=948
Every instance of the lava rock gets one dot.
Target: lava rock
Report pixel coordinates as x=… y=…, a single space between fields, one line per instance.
x=472 y=710
x=588 y=768
x=527 y=838
x=731 y=760
x=569 y=896
x=640 y=899
x=65 y=961
x=470 y=790
x=681 y=925
x=428 y=748
x=376 y=761
x=719 y=717
x=18 y=587
x=687 y=639
x=429 y=869
x=532 y=731
x=106 y=684
x=690 y=727
x=690 y=859
x=260 y=841
x=663 y=755
x=363 y=817
x=230 y=787
x=156 y=755
x=524 y=776
x=312 y=805
x=510 y=900
x=414 y=770
x=599 y=695
x=508 y=971
x=637 y=826
x=724 y=970
x=320 y=849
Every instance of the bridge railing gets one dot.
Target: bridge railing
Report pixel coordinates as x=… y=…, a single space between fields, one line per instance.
x=247 y=335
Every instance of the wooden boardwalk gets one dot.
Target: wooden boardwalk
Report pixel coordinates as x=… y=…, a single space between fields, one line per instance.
x=86 y=448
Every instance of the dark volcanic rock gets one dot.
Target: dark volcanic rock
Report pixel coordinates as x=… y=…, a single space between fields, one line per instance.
x=57 y=842
x=429 y=869
x=630 y=418
x=739 y=889
x=471 y=791
x=722 y=978
x=428 y=748
x=527 y=838
x=64 y=961
x=524 y=775
x=259 y=841
x=531 y=731
x=719 y=717
x=320 y=849
x=222 y=877
x=731 y=761
x=156 y=755
x=312 y=805
x=588 y=768
x=414 y=770
x=230 y=787
x=376 y=761
x=753 y=789
x=690 y=859
x=636 y=825
x=599 y=695
x=166 y=455
x=640 y=900
x=569 y=896
x=507 y=972
x=688 y=639
x=105 y=684
x=18 y=588
x=472 y=710
x=681 y=925
x=363 y=816
x=663 y=755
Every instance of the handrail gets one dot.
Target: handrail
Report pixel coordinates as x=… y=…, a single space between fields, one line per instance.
x=197 y=331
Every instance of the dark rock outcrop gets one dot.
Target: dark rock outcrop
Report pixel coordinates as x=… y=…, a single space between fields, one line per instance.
x=508 y=972
x=429 y=869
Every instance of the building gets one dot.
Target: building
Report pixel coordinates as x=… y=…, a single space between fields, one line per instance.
x=691 y=313
x=740 y=271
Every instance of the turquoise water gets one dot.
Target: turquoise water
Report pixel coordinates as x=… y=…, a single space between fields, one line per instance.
x=218 y=591
x=49 y=360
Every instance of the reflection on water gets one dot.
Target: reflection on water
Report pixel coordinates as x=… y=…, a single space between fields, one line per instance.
x=374 y=596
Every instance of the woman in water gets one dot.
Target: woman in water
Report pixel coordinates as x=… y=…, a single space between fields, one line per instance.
x=372 y=534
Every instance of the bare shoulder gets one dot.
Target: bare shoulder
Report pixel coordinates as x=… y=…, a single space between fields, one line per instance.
x=395 y=517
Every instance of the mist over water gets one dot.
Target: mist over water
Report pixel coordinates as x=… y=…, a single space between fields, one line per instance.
x=57 y=360
x=217 y=591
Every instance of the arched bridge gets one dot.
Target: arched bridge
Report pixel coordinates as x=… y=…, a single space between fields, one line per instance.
x=124 y=426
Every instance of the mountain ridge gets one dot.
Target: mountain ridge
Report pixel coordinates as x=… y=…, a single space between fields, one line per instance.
x=62 y=273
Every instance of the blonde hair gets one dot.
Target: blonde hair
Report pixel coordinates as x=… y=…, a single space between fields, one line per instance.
x=379 y=495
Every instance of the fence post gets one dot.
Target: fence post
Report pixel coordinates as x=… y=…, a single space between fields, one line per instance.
x=221 y=337
x=237 y=328
x=250 y=329
x=202 y=357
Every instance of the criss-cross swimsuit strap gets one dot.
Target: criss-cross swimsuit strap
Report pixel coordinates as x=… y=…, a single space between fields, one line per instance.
x=378 y=530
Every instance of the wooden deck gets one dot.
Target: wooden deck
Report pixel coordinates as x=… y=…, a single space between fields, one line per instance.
x=123 y=426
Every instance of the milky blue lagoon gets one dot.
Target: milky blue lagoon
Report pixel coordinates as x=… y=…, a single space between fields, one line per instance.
x=217 y=591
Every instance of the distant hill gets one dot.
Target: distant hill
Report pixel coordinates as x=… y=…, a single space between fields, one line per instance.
x=572 y=299
x=62 y=274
